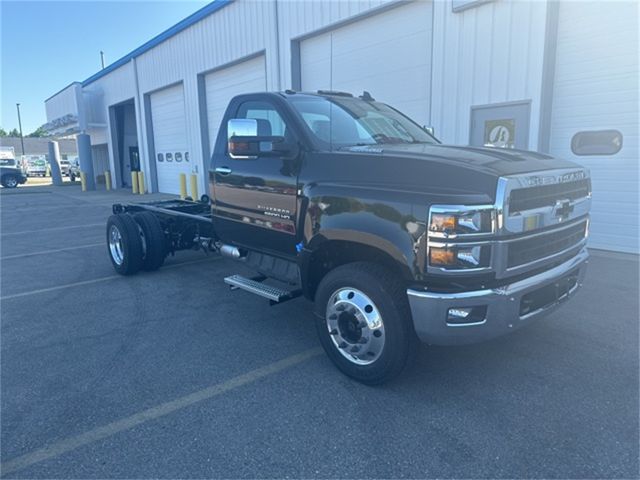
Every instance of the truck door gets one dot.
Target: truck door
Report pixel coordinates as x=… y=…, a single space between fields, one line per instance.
x=256 y=198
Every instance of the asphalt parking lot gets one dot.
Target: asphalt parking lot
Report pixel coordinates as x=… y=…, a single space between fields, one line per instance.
x=171 y=375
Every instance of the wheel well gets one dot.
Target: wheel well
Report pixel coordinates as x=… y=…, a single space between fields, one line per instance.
x=334 y=253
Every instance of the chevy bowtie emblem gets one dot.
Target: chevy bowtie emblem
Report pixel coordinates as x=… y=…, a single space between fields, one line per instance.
x=563 y=209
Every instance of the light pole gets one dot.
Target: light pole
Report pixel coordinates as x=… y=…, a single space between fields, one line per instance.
x=102 y=58
x=20 y=125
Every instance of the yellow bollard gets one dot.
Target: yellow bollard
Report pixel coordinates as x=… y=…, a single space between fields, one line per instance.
x=134 y=182
x=194 y=187
x=141 y=183
x=183 y=186
x=107 y=180
x=83 y=181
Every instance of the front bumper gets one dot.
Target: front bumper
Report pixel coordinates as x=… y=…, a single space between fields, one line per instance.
x=504 y=305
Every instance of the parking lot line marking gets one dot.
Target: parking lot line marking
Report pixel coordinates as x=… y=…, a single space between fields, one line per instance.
x=68 y=444
x=45 y=252
x=54 y=228
x=95 y=280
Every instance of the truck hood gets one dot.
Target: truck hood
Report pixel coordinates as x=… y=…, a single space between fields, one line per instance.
x=493 y=161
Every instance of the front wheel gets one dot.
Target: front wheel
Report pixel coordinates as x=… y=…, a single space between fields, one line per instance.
x=364 y=322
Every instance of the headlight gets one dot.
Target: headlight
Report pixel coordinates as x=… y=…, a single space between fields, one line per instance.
x=459 y=257
x=450 y=221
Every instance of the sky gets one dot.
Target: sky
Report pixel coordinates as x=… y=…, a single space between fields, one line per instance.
x=46 y=45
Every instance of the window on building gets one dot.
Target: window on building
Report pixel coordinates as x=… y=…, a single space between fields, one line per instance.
x=178 y=156
x=169 y=157
x=596 y=142
x=186 y=156
x=160 y=157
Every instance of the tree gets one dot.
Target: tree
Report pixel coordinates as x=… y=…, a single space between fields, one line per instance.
x=38 y=133
x=14 y=133
x=3 y=132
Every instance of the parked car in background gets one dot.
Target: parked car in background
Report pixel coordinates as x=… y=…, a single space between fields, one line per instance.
x=10 y=174
x=36 y=168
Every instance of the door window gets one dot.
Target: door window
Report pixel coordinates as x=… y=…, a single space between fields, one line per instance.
x=269 y=120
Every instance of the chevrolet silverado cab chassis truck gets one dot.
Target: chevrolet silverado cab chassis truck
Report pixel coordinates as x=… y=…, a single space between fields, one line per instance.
x=395 y=237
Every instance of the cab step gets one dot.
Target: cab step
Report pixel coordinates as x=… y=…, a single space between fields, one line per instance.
x=257 y=287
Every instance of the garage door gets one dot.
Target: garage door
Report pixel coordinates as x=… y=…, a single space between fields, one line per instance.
x=388 y=55
x=222 y=85
x=595 y=108
x=170 y=138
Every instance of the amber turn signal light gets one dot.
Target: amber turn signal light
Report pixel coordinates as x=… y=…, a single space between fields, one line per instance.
x=441 y=256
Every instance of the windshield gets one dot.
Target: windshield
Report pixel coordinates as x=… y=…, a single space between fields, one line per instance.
x=347 y=121
x=7 y=162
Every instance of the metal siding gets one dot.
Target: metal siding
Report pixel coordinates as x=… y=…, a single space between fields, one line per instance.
x=297 y=19
x=596 y=88
x=241 y=29
x=489 y=54
x=62 y=103
x=393 y=66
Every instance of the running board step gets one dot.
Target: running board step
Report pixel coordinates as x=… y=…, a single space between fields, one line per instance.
x=273 y=294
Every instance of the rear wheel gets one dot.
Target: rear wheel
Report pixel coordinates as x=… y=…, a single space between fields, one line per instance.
x=10 y=181
x=153 y=241
x=363 y=322
x=124 y=244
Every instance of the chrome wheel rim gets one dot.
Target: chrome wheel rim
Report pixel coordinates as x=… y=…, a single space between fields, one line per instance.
x=355 y=326
x=11 y=182
x=115 y=245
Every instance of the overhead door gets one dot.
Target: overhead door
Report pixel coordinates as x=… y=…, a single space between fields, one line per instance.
x=388 y=55
x=170 y=138
x=595 y=114
x=222 y=85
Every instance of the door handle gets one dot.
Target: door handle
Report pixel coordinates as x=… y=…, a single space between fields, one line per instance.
x=223 y=170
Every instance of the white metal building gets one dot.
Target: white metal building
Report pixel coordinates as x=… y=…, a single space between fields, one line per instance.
x=558 y=77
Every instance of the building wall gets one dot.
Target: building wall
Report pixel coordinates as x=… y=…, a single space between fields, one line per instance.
x=116 y=87
x=485 y=55
x=62 y=103
x=238 y=30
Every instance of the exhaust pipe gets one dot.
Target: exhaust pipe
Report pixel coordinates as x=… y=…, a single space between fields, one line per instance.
x=231 y=252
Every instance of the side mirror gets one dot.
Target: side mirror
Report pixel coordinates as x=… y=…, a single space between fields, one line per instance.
x=430 y=130
x=244 y=141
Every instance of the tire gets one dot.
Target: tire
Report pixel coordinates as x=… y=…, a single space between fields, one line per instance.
x=10 y=181
x=376 y=321
x=124 y=244
x=153 y=240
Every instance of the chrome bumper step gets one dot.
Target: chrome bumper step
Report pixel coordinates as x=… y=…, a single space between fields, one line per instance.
x=257 y=287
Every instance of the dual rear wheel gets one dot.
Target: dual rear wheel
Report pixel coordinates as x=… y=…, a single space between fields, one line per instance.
x=135 y=242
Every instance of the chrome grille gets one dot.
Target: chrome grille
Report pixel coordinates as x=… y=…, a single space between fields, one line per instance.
x=547 y=195
x=529 y=250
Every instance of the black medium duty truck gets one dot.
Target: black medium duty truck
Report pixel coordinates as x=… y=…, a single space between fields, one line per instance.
x=395 y=237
